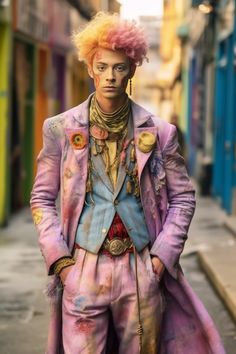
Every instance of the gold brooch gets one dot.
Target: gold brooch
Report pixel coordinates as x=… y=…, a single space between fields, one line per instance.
x=78 y=141
x=37 y=215
x=146 y=141
x=98 y=133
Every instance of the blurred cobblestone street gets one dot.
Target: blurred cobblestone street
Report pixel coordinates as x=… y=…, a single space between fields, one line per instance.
x=24 y=310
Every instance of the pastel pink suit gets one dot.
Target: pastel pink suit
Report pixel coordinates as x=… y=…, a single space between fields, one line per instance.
x=168 y=202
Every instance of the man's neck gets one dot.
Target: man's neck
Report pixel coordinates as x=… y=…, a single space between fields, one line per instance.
x=109 y=105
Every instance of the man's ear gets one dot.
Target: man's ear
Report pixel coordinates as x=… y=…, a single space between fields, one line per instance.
x=132 y=70
x=90 y=71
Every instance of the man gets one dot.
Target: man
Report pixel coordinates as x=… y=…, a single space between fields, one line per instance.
x=126 y=202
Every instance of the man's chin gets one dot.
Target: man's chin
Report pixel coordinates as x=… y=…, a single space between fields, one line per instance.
x=111 y=95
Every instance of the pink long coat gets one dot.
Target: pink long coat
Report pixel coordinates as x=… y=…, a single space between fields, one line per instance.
x=168 y=201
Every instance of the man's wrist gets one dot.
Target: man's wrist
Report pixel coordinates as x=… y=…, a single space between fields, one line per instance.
x=63 y=263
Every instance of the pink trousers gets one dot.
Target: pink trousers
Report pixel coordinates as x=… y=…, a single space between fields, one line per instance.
x=97 y=285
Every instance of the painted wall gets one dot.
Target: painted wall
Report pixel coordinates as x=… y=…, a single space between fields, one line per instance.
x=23 y=117
x=168 y=76
x=41 y=98
x=5 y=46
x=35 y=83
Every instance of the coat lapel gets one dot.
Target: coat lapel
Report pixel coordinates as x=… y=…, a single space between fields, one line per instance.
x=120 y=179
x=78 y=127
x=142 y=120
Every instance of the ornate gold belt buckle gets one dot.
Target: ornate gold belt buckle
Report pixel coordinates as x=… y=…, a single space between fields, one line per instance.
x=117 y=247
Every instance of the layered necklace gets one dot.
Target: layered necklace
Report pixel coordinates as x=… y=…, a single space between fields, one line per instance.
x=111 y=127
x=108 y=127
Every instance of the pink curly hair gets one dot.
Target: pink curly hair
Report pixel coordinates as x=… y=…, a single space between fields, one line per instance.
x=110 y=32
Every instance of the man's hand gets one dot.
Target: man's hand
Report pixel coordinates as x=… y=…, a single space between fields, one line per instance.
x=64 y=273
x=157 y=266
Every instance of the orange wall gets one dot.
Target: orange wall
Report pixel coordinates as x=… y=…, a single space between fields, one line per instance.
x=41 y=100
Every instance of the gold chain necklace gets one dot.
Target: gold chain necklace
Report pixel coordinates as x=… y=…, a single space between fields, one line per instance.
x=113 y=123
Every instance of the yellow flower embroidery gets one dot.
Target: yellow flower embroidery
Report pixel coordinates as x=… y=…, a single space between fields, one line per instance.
x=146 y=141
x=37 y=215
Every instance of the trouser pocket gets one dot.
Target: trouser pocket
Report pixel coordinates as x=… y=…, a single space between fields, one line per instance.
x=71 y=284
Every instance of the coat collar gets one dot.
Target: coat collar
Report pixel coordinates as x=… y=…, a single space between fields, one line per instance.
x=81 y=114
x=140 y=119
x=140 y=115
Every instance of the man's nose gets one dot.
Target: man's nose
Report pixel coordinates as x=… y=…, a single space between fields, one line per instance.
x=110 y=75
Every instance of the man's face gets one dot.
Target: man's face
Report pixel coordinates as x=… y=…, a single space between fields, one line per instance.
x=111 y=71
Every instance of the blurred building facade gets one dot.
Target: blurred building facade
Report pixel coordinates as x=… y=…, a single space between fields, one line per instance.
x=224 y=129
x=206 y=37
x=195 y=79
x=5 y=59
x=211 y=116
x=169 y=74
x=145 y=90
x=40 y=77
x=197 y=33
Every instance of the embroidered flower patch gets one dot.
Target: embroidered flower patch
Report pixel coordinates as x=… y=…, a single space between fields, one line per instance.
x=146 y=142
x=78 y=140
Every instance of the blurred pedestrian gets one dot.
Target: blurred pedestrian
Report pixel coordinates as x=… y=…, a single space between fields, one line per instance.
x=126 y=206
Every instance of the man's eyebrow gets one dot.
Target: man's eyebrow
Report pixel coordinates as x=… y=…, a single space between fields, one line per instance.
x=101 y=62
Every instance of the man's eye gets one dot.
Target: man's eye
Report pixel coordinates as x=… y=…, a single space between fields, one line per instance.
x=120 y=68
x=101 y=68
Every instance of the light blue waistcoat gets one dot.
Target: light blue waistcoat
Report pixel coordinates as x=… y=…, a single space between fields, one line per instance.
x=97 y=217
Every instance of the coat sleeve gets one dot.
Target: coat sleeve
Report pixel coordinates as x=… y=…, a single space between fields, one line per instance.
x=170 y=242
x=43 y=200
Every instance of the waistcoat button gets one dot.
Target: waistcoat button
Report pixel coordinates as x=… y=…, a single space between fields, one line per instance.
x=116 y=202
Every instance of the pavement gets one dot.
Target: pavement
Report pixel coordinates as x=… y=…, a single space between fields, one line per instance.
x=24 y=310
x=215 y=245
x=23 y=307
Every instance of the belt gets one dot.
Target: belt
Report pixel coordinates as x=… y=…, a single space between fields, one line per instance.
x=117 y=246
